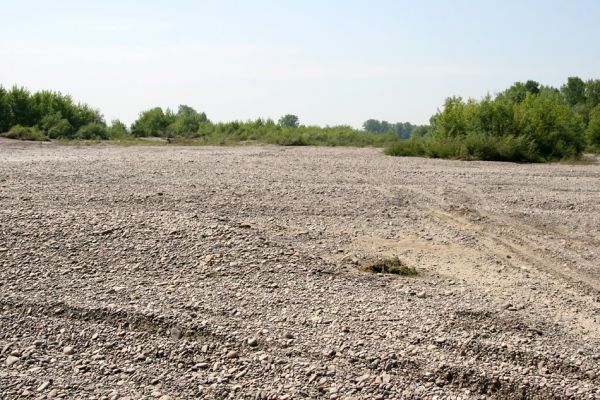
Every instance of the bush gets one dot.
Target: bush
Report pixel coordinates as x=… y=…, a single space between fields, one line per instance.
x=390 y=266
x=551 y=125
x=474 y=146
x=593 y=129
x=25 y=133
x=92 y=131
x=118 y=130
x=153 y=123
x=525 y=123
x=56 y=126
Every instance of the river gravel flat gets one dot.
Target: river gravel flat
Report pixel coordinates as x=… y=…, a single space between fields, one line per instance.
x=238 y=273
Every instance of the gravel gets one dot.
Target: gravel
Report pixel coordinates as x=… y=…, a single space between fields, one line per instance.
x=237 y=273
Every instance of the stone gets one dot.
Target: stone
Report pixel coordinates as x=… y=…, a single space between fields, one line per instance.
x=176 y=334
x=10 y=360
x=232 y=354
x=68 y=351
x=252 y=342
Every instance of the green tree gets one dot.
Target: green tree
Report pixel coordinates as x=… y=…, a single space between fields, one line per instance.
x=519 y=90
x=372 y=126
x=420 y=131
x=592 y=92
x=532 y=87
x=574 y=91
x=117 y=130
x=6 y=118
x=153 y=122
x=18 y=99
x=551 y=124
x=593 y=128
x=289 y=121
x=187 y=122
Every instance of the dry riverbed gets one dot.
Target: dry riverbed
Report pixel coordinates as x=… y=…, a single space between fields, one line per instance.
x=188 y=272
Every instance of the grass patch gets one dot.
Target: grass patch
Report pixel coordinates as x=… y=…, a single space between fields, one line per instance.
x=25 y=133
x=390 y=266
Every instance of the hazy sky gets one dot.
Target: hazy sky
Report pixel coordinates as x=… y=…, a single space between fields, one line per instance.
x=330 y=62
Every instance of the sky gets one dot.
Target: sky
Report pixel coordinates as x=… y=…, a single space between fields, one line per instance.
x=329 y=62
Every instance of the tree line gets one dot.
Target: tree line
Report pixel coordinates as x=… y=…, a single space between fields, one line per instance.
x=526 y=122
x=403 y=130
x=48 y=115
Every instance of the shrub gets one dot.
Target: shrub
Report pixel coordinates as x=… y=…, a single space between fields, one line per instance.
x=593 y=129
x=526 y=123
x=117 y=130
x=153 y=122
x=92 y=131
x=25 y=133
x=551 y=125
x=390 y=266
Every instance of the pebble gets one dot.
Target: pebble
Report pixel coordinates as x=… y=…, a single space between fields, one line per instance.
x=232 y=354
x=10 y=360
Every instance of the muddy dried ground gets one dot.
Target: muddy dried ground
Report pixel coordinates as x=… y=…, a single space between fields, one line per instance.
x=186 y=272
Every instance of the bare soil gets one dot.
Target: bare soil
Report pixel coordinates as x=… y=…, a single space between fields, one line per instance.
x=187 y=272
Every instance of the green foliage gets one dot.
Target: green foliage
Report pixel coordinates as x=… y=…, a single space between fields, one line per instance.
x=118 y=130
x=551 y=125
x=402 y=129
x=6 y=117
x=52 y=112
x=187 y=122
x=56 y=126
x=92 y=131
x=153 y=122
x=593 y=129
x=527 y=122
x=62 y=129
x=420 y=131
x=473 y=146
x=19 y=102
x=519 y=90
x=261 y=131
x=574 y=91
x=25 y=133
x=289 y=121
x=592 y=93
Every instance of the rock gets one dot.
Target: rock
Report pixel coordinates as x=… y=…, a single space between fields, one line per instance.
x=232 y=354
x=10 y=360
x=176 y=334
x=329 y=352
x=52 y=394
x=421 y=295
x=43 y=386
x=252 y=342
x=68 y=351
